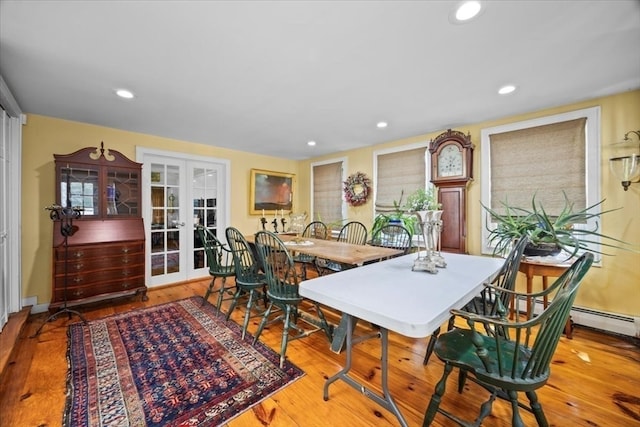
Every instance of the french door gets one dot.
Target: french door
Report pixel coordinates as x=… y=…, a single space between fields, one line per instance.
x=179 y=193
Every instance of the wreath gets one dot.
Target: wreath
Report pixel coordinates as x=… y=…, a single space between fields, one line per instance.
x=356 y=189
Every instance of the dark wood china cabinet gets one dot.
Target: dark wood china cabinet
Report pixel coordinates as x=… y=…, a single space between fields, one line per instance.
x=105 y=257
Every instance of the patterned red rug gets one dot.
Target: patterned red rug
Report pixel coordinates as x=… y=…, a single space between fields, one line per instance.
x=176 y=364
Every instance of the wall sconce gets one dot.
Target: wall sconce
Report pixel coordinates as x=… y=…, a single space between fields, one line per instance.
x=627 y=168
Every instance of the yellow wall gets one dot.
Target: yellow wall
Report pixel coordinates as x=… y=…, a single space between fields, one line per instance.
x=44 y=136
x=613 y=288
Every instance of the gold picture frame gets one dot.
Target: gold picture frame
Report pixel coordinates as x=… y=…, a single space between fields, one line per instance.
x=271 y=192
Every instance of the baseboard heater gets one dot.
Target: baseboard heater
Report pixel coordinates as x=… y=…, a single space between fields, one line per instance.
x=611 y=322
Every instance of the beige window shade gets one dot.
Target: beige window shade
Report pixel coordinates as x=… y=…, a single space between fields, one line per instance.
x=327 y=192
x=543 y=160
x=397 y=172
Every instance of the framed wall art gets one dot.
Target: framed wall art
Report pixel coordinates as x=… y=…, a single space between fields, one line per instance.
x=271 y=192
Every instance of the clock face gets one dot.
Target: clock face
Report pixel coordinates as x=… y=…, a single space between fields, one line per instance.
x=450 y=161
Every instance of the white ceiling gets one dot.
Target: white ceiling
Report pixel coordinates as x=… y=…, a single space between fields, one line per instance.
x=267 y=76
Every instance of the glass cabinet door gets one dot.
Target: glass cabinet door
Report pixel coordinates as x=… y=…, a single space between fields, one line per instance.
x=79 y=188
x=122 y=192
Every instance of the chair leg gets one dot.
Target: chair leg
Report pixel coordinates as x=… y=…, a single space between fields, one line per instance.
x=209 y=290
x=247 y=314
x=323 y=323
x=436 y=398
x=516 y=420
x=430 y=346
x=462 y=379
x=234 y=302
x=221 y=293
x=536 y=408
x=485 y=408
x=263 y=322
x=285 y=335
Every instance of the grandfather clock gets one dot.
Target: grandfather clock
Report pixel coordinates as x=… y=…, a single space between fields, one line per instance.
x=451 y=171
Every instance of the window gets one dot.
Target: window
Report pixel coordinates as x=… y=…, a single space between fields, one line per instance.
x=545 y=157
x=400 y=171
x=327 y=204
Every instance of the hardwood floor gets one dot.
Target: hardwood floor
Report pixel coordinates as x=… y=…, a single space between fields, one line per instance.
x=595 y=378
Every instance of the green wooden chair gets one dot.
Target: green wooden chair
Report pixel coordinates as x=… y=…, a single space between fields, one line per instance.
x=282 y=291
x=220 y=262
x=315 y=230
x=515 y=359
x=250 y=281
x=353 y=232
x=393 y=236
x=486 y=302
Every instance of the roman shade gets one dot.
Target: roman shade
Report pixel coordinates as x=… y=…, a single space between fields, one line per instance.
x=544 y=161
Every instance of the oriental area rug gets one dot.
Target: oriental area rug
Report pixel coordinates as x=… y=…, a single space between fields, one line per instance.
x=176 y=364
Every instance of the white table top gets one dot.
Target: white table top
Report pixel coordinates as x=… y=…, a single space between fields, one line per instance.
x=412 y=303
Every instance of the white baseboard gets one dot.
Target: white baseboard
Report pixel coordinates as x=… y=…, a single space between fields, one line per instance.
x=35 y=307
x=611 y=322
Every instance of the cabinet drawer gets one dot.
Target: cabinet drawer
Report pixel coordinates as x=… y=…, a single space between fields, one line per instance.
x=83 y=292
x=82 y=252
x=82 y=278
x=92 y=264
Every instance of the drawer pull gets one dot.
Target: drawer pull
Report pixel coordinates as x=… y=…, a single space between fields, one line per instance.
x=78 y=293
x=78 y=254
x=78 y=279
x=125 y=250
x=79 y=266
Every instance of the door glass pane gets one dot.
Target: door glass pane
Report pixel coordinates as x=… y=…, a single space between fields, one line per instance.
x=205 y=204
x=165 y=223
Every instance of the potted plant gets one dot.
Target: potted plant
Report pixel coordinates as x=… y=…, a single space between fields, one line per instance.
x=395 y=214
x=423 y=199
x=548 y=234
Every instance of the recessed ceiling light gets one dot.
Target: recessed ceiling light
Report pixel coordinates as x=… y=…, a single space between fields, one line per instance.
x=124 y=93
x=465 y=11
x=504 y=90
x=311 y=143
x=382 y=125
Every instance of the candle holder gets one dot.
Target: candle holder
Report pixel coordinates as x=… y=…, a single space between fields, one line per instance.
x=431 y=227
x=263 y=221
x=65 y=215
x=283 y=221
x=275 y=225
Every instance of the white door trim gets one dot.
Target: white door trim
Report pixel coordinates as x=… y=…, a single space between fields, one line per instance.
x=224 y=164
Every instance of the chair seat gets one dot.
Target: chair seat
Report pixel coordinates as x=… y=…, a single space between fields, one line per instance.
x=252 y=281
x=224 y=271
x=457 y=348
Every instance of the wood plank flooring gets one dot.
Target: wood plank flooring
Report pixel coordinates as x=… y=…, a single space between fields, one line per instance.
x=595 y=378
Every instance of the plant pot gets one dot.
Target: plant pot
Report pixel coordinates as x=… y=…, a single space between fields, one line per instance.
x=542 y=249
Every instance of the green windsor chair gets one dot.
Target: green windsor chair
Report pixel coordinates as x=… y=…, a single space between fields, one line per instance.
x=514 y=359
x=220 y=262
x=485 y=303
x=282 y=291
x=250 y=281
x=353 y=232
x=315 y=230
x=393 y=236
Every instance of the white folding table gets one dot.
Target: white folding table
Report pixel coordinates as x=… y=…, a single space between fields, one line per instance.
x=391 y=296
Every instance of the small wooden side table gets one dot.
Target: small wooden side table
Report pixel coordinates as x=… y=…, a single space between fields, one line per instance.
x=546 y=270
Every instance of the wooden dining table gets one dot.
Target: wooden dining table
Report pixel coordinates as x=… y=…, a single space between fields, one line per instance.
x=345 y=253
x=342 y=252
